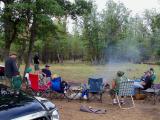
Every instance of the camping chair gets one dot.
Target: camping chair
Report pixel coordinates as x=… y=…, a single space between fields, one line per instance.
x=1 y=72
x=126 y=89
x=36 y=88
x=151 y=91
x=96 y=87
x=59 y=88
x=152 y=94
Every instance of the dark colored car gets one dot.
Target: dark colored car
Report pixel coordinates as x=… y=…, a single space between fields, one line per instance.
x=17 y=105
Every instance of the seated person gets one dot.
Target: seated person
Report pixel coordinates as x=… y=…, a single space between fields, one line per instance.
x=115 y=86
x=47 y=73
x=42 y=77
x=58 y=85
x=28 y=70
x=146 y=81
x=85 y=92
x=153 y=75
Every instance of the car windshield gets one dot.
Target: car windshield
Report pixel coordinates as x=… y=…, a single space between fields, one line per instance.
x=10 y=97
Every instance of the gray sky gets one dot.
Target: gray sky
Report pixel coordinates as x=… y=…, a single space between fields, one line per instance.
x=137 y=6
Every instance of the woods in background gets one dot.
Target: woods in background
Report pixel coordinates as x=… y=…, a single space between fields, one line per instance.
x=29 y=26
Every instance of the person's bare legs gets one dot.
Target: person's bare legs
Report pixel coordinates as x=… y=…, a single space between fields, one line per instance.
x=113 y=96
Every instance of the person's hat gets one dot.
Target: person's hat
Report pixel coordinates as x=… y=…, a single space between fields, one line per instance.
x=120 y=73
x=47 y=65
x=151 y=69
x=12 y=53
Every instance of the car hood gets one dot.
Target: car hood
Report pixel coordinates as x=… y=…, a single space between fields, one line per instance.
x=20 y=108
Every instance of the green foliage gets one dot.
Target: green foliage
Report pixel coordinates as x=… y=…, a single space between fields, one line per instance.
x=113 y=34
x=29 y=20
x=103 y=32
x=93 y=42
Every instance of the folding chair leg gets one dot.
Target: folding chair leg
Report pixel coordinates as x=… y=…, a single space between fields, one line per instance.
x=154 y=97
x=121 y=105
x=118 y=101
x=133 y=101
x=101 y=98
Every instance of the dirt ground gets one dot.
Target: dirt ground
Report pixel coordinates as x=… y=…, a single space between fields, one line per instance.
x=142 y=111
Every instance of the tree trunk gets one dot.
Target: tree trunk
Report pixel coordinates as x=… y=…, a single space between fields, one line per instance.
x=7 y=49
x=31 y=41
x=21 y=53
x=65 y=23
x=58 y=56
x=10 y=27
x=10 y=36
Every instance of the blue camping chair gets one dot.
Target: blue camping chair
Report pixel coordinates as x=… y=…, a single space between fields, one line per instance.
x=58 y=88
x=56 y=84
x=96 y=87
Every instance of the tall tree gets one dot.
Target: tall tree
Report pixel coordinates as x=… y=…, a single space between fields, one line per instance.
x=10 y=20
x=115 y=18
x=53 y=8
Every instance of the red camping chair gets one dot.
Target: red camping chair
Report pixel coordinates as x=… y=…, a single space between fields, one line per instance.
x=1 y=72
x=36 y=89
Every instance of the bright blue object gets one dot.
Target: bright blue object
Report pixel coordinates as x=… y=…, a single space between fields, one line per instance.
x=56 y=84
x=137 y=80
x=95 y=85
x=84 y=90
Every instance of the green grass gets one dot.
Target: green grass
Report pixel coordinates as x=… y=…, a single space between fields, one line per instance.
x=80 y=72
x=73 y=72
